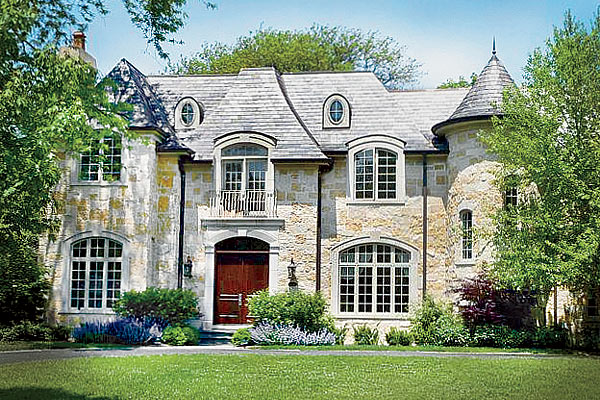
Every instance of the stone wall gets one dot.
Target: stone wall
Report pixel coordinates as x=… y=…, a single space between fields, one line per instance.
x=125 y=209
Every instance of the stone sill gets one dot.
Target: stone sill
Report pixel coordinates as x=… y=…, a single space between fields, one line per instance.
x=88 y=312
x=401 y=202
x=389 y=317
x=242 y=222
x=98 y=184
x=465 y=263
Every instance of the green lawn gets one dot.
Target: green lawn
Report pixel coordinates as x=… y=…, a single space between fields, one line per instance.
x=442 y=349
x=24 y=345
x=302 y=377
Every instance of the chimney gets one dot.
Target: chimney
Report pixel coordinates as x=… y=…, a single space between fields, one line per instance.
x=79 y=40
x=77 y=49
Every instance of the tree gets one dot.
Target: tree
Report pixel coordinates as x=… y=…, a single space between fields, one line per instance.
x=461 y=83
x=549 y=148
x=319 y=48
x=47 y=104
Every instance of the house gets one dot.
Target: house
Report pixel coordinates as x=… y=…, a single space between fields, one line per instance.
x=243 y=178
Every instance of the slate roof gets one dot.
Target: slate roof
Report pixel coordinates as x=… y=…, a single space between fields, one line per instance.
x=289 y=108
x=485 y=97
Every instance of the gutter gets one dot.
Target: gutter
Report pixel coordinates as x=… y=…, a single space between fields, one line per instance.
x=424 y=225
x=181 y=223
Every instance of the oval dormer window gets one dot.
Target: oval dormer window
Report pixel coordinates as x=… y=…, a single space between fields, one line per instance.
x=336 y=112
x=187 y=114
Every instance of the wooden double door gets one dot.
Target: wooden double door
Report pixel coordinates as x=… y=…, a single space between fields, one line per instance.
x=238 y=274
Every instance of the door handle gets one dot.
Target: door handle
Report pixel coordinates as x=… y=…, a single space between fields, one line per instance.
x=240 y=299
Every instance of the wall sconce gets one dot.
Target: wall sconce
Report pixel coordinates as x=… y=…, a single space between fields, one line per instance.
x=187 y=268
x=293 y=284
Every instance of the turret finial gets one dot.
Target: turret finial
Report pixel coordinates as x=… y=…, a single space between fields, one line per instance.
x=494 y=46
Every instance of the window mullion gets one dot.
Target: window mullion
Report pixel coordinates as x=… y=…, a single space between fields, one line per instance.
x=375 y=174
x=356 y=286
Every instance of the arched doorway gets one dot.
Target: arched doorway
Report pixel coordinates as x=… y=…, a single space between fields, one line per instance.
x=241 y=269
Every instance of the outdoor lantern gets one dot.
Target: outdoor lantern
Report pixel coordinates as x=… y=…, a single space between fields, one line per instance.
x=187 y=268
x=293 y=284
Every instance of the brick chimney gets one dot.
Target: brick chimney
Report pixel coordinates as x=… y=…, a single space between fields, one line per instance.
x=77 y=49
x=79 y=40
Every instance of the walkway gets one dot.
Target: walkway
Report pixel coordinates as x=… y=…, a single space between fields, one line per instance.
x=8 y=357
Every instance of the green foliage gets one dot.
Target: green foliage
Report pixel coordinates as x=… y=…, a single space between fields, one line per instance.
x=461 y=83
x=398 y=337
x=296 y=308
x=547 y=143
x=172 y=305
x=365 y=335
x=319 y=48
x=241 y=337
x=30 y=331
x=180 y=335
x=340 y=333
x=434 y=323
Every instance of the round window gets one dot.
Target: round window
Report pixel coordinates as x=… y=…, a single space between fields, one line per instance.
x=187 y=114
x=336 y=111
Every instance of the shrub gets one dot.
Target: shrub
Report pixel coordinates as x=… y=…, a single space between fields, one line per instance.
x=172 y=305
x=550 y=337
x=180 y=335
x=241 y=337
x=501 y=336
x=340 y=334
x=28 y=330
x=122 y=330
x=294 y=308
x=365 y=335
x=268 y=334
x=397 y=337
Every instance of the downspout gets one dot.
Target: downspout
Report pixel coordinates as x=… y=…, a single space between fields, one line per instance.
x=318 y=241
x=181 y=223
x=424 y=225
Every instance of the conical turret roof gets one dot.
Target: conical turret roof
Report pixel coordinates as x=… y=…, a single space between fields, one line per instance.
x=485 y=97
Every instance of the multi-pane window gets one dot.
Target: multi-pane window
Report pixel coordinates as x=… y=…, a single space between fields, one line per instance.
x=336 y=111
x=375 y=174
x=592 y=305
x=244 y=168
x=511 y=197
x=187 y=114
x=466 y=242
x=374 y=278
x=96 y=273
x=102 y=162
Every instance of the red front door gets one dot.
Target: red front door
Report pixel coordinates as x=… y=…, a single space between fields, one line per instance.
x=238 y=274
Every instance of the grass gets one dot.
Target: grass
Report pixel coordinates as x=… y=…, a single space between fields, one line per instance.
x=441 y=349
x=9 y=346
x=302 y=377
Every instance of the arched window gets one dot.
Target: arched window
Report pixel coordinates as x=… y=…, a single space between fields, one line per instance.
x=336 y=112
x=188 y=114
x=374 y=278
x=466 y=241
x=244 y=167
x=96 y=273
x=375 y=174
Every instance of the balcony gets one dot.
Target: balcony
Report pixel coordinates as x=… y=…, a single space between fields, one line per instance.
x=243 y=204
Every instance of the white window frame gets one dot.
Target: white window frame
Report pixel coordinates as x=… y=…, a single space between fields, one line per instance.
x=198 y=114
x=344 y=123
x=243 y=138
x=78 y=165
x=377 y=142
x=466 y=206
x=412 y=275
x=66 y=250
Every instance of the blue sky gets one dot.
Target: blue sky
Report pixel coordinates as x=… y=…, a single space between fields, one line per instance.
x=450 y=38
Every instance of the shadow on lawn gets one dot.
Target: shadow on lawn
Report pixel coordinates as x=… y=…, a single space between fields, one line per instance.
x=46 y=393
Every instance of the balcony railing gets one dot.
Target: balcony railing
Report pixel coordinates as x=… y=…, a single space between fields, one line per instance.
x=240 y=204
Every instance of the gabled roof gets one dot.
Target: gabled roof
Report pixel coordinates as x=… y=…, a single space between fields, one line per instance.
x=485 y=97
x=133 y=88
x=256 y=101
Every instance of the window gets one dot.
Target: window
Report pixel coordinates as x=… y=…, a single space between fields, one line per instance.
x=244 y=168
x=374 y=278
x=511 y=197
x=592 y=309
x=336 y=112
x=102 y=162
x=188 y=114
x=466 y=220
x=368 y=161
x=96 y=273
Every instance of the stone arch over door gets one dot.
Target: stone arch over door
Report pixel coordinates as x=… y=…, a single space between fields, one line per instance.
x=216 y=232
